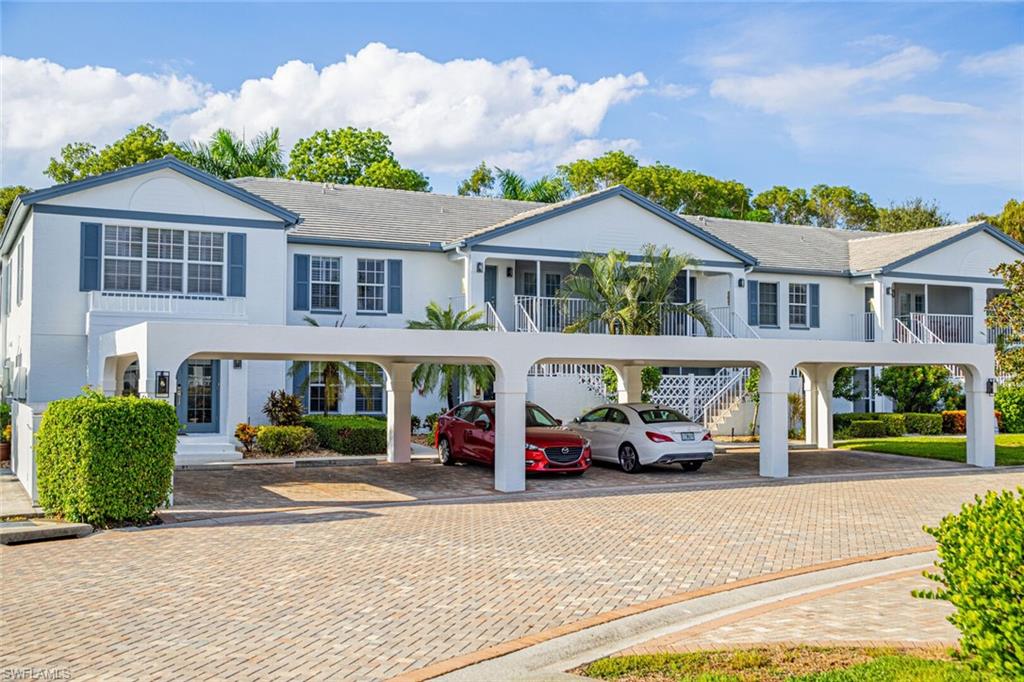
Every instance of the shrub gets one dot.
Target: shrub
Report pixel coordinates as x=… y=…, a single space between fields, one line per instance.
x=430 y=421
x=868 y=428
x=842 y=421
x=415 y=423
x=5 y=415
x=246 y=434
x=925 y=424
x=284 y=440
x=1010 y=401
x=5 y=435
x=350 y=434
x=105 y=460
x=283 y=409
x=895 y=423
x=917 y=389
x=955 y=421
x=981 y=551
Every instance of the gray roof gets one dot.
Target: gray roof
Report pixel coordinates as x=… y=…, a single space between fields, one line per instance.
x=350 y=212
x=874 y=253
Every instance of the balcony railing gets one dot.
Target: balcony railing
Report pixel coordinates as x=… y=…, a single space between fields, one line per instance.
x=550 y=314
x=864 y=327
x=209 y=307
x=940 y=328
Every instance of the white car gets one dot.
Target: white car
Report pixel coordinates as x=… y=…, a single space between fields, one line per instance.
x=638 y=434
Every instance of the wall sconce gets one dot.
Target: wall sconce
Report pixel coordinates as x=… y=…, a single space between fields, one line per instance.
x=741 y=283
x=163 y=383
x=509 y=271
x=237 y=364
x=479 y=267
x=990 y=386
x=888 y=291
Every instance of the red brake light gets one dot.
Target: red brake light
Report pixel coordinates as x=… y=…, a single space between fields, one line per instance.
x=707 y=435
x=658 y=437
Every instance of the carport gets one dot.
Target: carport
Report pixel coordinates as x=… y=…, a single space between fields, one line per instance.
x=159 y=347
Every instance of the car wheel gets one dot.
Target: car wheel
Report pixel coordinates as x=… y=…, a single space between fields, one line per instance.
x=444 y=452
x=691 y=466
x=629 y=460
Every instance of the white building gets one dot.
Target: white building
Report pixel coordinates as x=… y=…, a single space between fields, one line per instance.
x=164 y=242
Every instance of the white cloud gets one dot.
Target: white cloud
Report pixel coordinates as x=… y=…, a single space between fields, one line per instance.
x=441 y=116
x=797 y=89
x=674 y=91
x=1008 y=61
x=921 y=105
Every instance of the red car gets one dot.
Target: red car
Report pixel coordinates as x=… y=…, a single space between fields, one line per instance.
x=466 y=432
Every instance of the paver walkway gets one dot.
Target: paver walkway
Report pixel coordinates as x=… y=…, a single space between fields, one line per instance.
x=366 y=593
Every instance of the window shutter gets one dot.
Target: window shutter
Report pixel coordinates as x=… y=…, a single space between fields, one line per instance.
x=299 y=385
x=236 y=264
x=89 y=267
x=753 y=318
x=394 y=286
x=300 y=290
x=814 y=297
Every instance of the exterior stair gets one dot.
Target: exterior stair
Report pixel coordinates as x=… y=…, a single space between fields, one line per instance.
x=202 y=449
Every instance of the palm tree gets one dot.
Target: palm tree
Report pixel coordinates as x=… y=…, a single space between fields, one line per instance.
x=227 y=156
x=545 y=189
x=451 y=380
x=336 y=376
x=628 y=298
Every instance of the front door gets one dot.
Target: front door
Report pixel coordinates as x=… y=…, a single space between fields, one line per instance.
x=491 y=285
x=198 y=396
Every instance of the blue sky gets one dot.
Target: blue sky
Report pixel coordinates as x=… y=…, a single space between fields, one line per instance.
x=897 y=100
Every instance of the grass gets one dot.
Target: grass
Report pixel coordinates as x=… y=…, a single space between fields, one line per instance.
x=800 y=664
x=1009 y=447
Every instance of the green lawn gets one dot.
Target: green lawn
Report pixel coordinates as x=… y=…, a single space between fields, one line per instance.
x=771 y=664
x=1009 y=447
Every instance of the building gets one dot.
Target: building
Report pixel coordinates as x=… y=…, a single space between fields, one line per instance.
x=162 y=241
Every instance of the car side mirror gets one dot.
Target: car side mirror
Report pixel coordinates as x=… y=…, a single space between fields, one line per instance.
x=482 y=424
x=558 y=421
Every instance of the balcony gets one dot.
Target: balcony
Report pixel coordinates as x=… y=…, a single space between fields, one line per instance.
x=155 y=305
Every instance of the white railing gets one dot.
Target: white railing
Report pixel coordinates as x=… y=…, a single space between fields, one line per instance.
x=524 y=321
x=172 y=305
x=551 y=314
x=993 y=334
x=901 y=332
x=864 y=327
x=731 y=392
x=946 y=328
x=493 y=320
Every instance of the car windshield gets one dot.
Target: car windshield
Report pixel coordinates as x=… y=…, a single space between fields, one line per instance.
x=661 y=415
x=538 y=417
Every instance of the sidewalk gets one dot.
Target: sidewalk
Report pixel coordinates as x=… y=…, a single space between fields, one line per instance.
x=14 y=501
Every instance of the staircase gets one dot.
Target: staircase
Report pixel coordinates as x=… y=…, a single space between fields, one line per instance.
x=202 y=449
x=916 y=330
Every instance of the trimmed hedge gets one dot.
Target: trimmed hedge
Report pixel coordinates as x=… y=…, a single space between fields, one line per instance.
x=350 y=434
x=923 y=423
x=842 y=421
x=895 y=423
x=955 y=421
x=981 y=551
x=868 y=428
x=284 y=440
x=1010 y=401
x=103 y=460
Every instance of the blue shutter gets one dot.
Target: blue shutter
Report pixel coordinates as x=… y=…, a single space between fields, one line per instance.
x=394 y=286
x=236 y=264
x=89 y=267
x=301 y=289
x=299 y=385
x=753 y=317
x=814 y=296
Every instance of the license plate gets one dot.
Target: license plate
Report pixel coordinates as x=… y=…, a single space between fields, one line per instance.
x=686 y=435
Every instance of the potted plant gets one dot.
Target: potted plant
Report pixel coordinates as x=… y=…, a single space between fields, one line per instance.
x=5 y=444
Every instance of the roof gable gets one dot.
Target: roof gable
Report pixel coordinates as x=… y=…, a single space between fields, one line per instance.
x=889 y=252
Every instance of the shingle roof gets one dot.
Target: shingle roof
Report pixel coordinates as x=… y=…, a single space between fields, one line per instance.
x=350 y=212
x=874 y=253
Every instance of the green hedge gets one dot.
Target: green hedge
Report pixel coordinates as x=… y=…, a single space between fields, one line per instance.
x=981 y=551
x=350 y=434
x=284 y=440
x=868 y=428
x=1010 y=401
x=895 y=423
x=842 y=421
x=105 y=460
x=923 y=423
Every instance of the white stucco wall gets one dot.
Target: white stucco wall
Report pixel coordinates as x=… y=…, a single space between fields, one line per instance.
x=840 y=297
x=973 y=256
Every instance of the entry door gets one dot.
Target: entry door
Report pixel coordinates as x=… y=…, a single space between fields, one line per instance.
x=491 y=285
x=199 y=395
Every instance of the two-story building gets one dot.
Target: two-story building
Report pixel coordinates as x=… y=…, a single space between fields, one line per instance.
x=164 y=241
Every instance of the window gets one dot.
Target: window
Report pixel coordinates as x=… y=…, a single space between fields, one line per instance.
x=370 y=286
x=206 y=263
x=318 y=389
x=536 y=416
x=768 y=304
x=595 y=416
x=662 y=415
x=165 y=251
x=616 y=417
x=552 y=283
x=529 y=283
x=325 y=283
x=370 y=398
x=799 y=302
x=122 y=258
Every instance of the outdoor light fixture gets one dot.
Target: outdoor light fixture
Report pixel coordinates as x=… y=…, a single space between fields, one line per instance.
x=508 y=271
x=990 y=386
x=163 y=383
x=741 y=283
x=888 y=291
x=237 y=364
x=479 y=267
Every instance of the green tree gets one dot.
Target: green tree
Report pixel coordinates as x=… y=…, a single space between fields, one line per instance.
x=7 y=196
x=1006 y=313
x=348 y=156
x=81 y=159
x=545 y=189
x=335 y=375
x=912 y=214
x=609 y=169
x=841 y=207
x=227 y=156
x=1010 y=220
x=479 y=183
x=921 y=388
x=784 y=205
x=843 y=385
x=451 y=380
x=629 y=298
x=650 y=381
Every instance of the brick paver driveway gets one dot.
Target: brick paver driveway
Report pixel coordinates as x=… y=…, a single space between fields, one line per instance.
x=368 y=592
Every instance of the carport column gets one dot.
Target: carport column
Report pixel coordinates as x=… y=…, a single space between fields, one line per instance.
x=629 y=382
x=981 y=435
x=510 y=433
x=774 y=409
x=399 y=388
x=824 y=381
x=810 y=406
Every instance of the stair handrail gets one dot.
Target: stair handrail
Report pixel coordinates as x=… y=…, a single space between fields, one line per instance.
x=733 y=390
x=901 y=332
x=493 y=320
x=523 y=315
